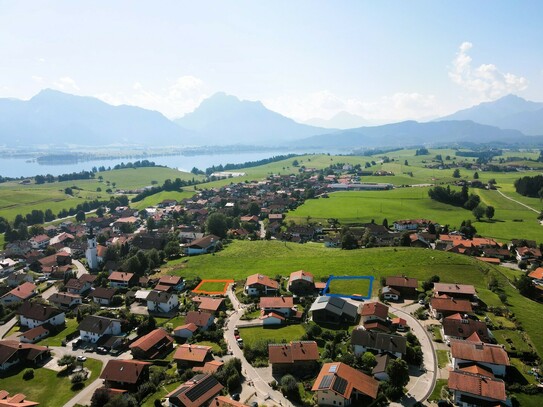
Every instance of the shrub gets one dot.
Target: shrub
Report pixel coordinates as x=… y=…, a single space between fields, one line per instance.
x=28 y=374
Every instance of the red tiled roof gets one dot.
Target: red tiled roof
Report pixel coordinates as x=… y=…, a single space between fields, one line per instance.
x=34 y=333
x=17 y=400
x=146 y=342
x=272 y=315
x=354 y=378
x=301 y=275
x=479 y=352
x=490 y=260
x=120 y=276
x=208 y=303
x=190 y=327
x=452 y=289
x=402 y=281
x=210 y=367
x=222 y=401
x=477 y=385
x=478 y=370
x=537 y=273
x=263 y=280
x=276 y=302
x=170 y=280
x=198 y=318
x=451 y=305
x=374 y=309
x=293 y=352
x=24 y=291
x=192 y=353
x=127 y=371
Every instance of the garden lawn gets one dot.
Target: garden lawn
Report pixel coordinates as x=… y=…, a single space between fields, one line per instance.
x=349 y=287
x=278 y=335
x=56 y=340
x=512 y=340
x=46 y=388
x=161 y=393
x=436 y=394
x=211 y=286
x=215 y=347
x=442 y=358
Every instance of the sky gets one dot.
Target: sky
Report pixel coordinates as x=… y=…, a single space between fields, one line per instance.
x=382 y=60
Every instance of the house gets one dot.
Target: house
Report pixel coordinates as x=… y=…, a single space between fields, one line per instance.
x=185 y=331
x=411 y=224
x=373 y=312
x=297 y=357
x=407 y=286
x=120 y=223
x=280 y=305
x=272 y=319
x=203 y=245
x=18 y=400
x=460 y=291
x=458 y=327
x=93 y=327
x=103 y=295
x=121 y=279
x=19 y=294
x=19 y=278
x=340 y=385
x=379 y=371
x=527 y=253
x=491 y=357
x=198 y=391
x=476 y=390
x=537 y=274
x=13 y=353
x=399 y=324
x=444 y=307
x=189 y=356
x=34 y=335
x=125 y=374
x=259 y=284
x=203 y=320
x=64 y=300
x=209 y=304
x=7 y=266
x=40 y=242
x=172 y=282
x=33 y=314
x=301 y=283
x=78 y=286
x=390 y=294
x=333 y=310
x=162 y=302
x=154 y=345
x=249 y=219
x=363 y=341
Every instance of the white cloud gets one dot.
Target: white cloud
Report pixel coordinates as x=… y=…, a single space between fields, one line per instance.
x=486 y=81
x=66 y=84
x=324 y=104
x=37 y=79
x=181 y=96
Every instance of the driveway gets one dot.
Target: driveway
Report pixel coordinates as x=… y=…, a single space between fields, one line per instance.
x=80 y=268
x=422 y=383
x=4 y=329
x=253 y=380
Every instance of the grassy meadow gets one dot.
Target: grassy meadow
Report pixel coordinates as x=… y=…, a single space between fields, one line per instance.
x=243 y=258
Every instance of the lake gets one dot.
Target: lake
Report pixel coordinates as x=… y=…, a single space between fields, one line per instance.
x=19 y=167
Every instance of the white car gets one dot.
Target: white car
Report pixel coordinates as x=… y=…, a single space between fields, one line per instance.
x=81 y=358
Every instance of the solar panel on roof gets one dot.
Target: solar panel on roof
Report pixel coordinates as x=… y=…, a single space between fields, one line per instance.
x=339 y=385
x=201 y=388
x=332 y=369
x=326 y=381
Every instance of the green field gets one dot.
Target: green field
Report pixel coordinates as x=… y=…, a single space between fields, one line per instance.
x=56 y=340
x=512 y=340
x=349 y=287
x=21 y=199
x=511 y=219
x=47 y=387
x=243 y=258
x=211 y=286
x=276 y=335
x=161 y=196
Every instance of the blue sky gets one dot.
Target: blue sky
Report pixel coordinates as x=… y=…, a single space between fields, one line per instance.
x=383 y=60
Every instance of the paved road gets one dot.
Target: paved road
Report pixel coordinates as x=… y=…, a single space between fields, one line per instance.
x=260 y=385
x=520 y=203
x=421 y=387
x=80 y=268
x=4 y=329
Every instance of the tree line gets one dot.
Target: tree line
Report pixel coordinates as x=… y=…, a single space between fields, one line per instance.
x=530 y=186
x=456 y=198
x=168 y=185
x=248 y=164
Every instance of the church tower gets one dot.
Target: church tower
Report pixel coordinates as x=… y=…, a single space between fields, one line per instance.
x=92 y=251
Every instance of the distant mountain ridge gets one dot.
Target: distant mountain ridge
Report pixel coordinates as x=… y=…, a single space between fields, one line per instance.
x=53 y=117
x=224 y=119
x=409 y=133
x=508 y=112
x=341 y=120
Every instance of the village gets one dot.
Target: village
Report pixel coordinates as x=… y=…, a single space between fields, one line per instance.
x=94 y=289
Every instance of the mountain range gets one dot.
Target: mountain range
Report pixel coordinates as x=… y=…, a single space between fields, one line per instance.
x=59 y=119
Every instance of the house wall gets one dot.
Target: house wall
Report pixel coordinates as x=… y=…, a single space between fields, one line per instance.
x=283 y=311
x=458 y=395
x=183 y=333
x=330 y=398
x=101 y=301
x=272 y=321
x=33 y=323
x=392 y=297
x=497 y=370
x=9 y=363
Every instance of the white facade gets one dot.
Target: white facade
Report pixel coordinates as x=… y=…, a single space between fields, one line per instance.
x=92 y=253
x=163 y=307
x=331 y=398
x=33 y=323
x=114 y=328
x=497 y=370
x=183 y=333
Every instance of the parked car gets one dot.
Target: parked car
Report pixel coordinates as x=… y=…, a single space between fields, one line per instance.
x=236 y=396
x=81 y=358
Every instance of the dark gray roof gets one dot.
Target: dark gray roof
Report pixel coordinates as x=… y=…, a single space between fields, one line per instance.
x=335 y=305
x=39 y=312
x=380 y=341
x=159 y=296
x=95 y=324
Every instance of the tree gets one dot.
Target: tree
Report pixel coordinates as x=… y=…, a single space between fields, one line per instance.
x=172 y=248
x=385 y=222
x=289 y=386
x=216 y=225
x=456 y=173
x=398 y=373
x=489 y=212
x=405 y=163
x=80 y=216
x=368 y=362
x=349 y=242
x=405 y=240
x=68 y=191
x=478 y=212
x=254 y=209
x=524 y=284
x=476 y=175
x=68 y=361
x=295 y=163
